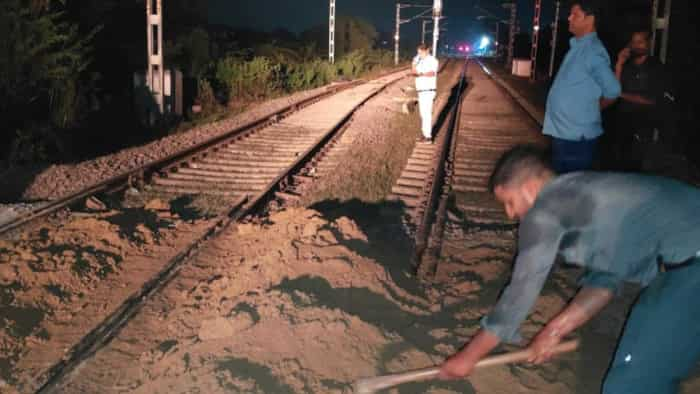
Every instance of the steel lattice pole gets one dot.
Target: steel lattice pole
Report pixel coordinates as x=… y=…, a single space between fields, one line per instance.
x=555 y=32
x=511 y=35
x=535 y=39
x=331 y=32
x=396 y=34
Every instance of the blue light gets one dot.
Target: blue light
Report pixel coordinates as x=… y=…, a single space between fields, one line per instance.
x=485 y=41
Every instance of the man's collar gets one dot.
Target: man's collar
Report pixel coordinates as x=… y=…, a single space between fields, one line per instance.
x=578 y=41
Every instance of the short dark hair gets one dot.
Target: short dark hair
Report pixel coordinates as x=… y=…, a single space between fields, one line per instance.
x=422 y=47
x=589 y=7
x=645 y=31
x=519 y=163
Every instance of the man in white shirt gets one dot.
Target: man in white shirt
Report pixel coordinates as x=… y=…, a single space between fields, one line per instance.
x=425 y=68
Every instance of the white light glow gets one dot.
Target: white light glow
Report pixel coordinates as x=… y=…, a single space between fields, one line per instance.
x=485 y=41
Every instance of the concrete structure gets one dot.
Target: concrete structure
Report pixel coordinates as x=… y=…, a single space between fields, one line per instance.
x=158 y=91
x=154 y=38
x=170 y=93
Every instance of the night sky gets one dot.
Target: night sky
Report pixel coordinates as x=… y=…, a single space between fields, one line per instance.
x=298 y=15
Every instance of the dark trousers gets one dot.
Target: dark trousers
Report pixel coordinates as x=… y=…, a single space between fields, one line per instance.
x=659 y=345
x=571 y=156
x=632 y=138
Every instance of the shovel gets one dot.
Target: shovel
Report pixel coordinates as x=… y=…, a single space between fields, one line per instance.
x=371 y=385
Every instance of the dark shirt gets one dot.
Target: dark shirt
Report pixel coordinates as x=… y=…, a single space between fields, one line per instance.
x=647 y=80
x=617 y=226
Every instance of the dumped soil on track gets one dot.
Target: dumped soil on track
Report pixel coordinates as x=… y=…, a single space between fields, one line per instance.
x=58 y=282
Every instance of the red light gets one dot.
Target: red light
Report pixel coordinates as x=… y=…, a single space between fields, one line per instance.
x=461 y=49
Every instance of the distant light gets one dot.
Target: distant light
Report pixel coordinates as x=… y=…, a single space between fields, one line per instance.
x=461 y=49
x=485 y=41
x=396 y=37
x=537 y=27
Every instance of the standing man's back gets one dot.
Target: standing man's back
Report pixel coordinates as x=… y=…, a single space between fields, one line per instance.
x=583 y=86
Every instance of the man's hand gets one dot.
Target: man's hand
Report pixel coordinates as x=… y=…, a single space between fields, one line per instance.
x=456 y=367
x=543 y=344
x=623 y=56
x=462 y=363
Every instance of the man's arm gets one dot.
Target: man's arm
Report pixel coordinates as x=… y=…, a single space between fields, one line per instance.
x=637 y=99
x=606 y=102
x=622 y=58
x=462 y=363
x=602 y=74
x=587 y=303
x=538 y=245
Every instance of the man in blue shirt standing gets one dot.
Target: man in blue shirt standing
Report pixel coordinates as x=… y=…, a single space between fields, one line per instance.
x=619 y=227
x=584 y=85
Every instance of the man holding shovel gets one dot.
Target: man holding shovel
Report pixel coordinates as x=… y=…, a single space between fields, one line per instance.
x=620 y=227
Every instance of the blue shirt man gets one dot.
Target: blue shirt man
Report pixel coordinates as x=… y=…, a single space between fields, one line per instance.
x=619 y=227
x=584 y=84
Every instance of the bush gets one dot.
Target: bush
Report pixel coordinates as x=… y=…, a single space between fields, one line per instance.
x=262 y=77
x=205 y=97
x=309 y=75
x=352 y=65
x=256 y=78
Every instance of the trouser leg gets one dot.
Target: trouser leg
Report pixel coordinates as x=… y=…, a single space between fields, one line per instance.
x=659 y=346
x=570 y=156
x=425 y=108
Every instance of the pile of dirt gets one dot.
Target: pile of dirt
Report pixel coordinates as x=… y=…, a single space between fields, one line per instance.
x=308 y=301
x=59 y=281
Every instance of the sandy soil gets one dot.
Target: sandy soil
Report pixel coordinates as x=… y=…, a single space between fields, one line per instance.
x=58 y=282
x=307 y=302
x=312 y=300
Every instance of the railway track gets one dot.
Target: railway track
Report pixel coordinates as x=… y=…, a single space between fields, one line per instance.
x=452 y=174
x=222 y=165
x=420 y=184
x=247 y=168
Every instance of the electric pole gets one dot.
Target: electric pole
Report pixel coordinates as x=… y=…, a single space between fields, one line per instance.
x=555 y=32
x=511 y=32
x=535 y=39
x=660 y=24
x=154 y=37
x=331 y=32
x=437 y=11
x=396 y=34
x=399 y=21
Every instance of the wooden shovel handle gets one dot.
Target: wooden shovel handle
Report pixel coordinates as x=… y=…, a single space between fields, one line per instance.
x=523 y=355
x=370 y=385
